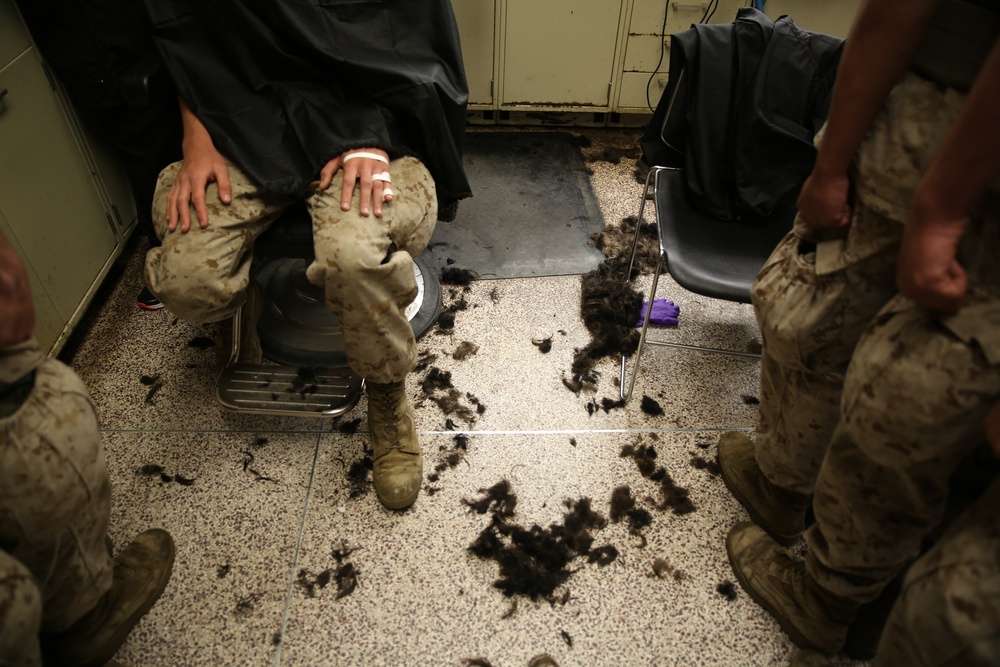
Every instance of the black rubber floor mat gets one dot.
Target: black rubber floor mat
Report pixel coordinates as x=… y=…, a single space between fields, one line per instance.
x=532 y=210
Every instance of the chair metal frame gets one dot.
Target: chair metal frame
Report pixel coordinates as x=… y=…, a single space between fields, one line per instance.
x=651 y=181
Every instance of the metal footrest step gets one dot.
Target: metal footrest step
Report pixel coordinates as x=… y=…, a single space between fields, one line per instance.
x=286 y=390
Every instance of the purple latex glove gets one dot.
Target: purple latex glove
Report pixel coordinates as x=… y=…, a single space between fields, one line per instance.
x=664 y=312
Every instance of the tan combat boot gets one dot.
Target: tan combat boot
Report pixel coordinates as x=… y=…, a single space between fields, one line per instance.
x=398 y=463
x=250 y=351
x=141 y=572
x=781 y=513
x=812 y=617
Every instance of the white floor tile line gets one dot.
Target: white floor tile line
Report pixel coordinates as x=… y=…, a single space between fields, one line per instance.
x=295 y=557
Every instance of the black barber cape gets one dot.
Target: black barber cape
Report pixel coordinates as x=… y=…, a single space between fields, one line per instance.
x=755 y=94
x=283 y=86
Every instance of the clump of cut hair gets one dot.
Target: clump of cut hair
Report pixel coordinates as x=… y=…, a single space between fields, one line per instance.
x=534 y=561
x=610 y=308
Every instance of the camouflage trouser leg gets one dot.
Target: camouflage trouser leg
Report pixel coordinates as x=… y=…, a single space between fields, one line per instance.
x=365 y=265
x=55 y=495
x=948 y=614
x=813 y=301
x=20 y=615
x=202 y=275
x=915 y=396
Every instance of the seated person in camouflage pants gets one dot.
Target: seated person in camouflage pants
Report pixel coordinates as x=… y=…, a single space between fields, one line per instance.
x=357 y=108
x=56 y=571
x=881 y=339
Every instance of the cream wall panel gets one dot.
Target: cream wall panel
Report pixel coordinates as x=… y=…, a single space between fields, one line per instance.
x=832 y=17
x=46 y=189
x=633 y=90
x=13 y=35
x=476 y=24
x=643 y=53
x=560 y=52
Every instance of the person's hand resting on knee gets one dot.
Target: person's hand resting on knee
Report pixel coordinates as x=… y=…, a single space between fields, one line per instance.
x=203 y=164
x=367 y=167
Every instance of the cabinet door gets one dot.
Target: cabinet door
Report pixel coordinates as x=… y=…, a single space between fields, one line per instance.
x=560 y=53
x=48 y=323
x=476 y=20
x=13 y=36
x=47 y=193
x=114 y=181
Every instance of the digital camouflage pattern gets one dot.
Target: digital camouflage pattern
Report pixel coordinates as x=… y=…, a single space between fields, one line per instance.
x=54 y=501
x=365 y=264
x=947 y=613
x=908 y=389
x=20 y=614
x=820 y=288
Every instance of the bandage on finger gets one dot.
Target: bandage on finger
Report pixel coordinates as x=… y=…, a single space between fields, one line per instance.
x=365 y=154
x=387 y=192
x=384 y=177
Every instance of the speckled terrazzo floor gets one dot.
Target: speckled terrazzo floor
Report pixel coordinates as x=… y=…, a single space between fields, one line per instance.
x=270 y=513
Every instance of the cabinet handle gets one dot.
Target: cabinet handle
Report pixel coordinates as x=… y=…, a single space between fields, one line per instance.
x=118 y=215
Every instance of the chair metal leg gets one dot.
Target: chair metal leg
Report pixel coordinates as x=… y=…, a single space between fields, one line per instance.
x=638 y=222
x=626 y=395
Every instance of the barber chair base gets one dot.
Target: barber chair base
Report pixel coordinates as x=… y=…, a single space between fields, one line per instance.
x=297 y=329
x=309 y=376
x=284 y=390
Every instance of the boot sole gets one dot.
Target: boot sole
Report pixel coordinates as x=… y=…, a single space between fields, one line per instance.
x=755 y=516
x=397 y=506
x=797 y=637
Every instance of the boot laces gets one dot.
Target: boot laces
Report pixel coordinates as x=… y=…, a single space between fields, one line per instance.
x=389 y=418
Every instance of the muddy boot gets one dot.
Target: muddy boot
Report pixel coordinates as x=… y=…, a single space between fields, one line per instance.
x=811 y=616
x=250 y=352
x=781 y=513
x=398 y=463
x=141 y=572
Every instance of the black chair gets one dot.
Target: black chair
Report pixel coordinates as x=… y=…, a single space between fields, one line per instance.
x=708 y=256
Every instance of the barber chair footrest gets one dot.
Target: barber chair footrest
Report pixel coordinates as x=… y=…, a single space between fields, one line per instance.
x=286 y=390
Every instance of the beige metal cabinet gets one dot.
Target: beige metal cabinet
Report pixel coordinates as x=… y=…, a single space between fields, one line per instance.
x=476 y=25
x=833 y=17
x=559 y=53
x=642 y=66
x=645 y=44
x=60 y=202
x=598 y=55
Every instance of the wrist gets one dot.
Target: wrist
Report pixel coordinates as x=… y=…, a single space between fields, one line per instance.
x=932 y=211
x=828 y=169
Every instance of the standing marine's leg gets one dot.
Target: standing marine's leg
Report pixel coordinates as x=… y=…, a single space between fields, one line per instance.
x=814 y=298
x=55 y=507
x=365 y=265
x=20 y=614
x=914 y=400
